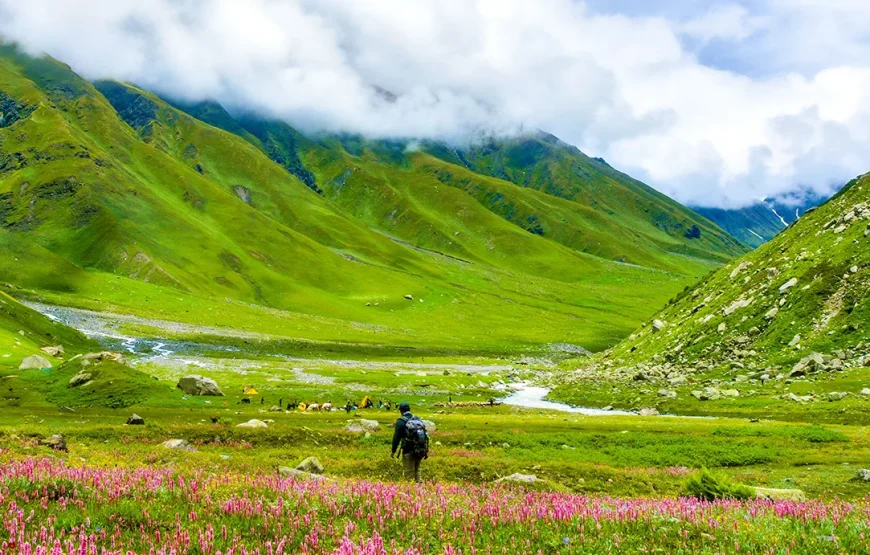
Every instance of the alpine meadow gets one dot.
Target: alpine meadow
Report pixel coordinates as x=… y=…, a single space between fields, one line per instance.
x=231 y=325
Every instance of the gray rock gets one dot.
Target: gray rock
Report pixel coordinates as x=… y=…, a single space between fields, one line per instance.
x=658 y=325
x=863 y=475
x=678 y=380
x=430 y=426
x=252 y=423
x=81 y=378
x=53 y=351
x=56 y=442
x=771 y=314
x=812 y=363
x=310 y=465
x=299 y=475
x=361 y=425
x=730 y=393
x=649 y=412
x=179 y=444
x=35 y=362
x=837 y=395
x=667 y=393
x=865 y=392
x=775 y=494
x=199 y=385
x=795 y=340
x=519 y=478
x=275 y=408
x=788 y=285
x=135 y=420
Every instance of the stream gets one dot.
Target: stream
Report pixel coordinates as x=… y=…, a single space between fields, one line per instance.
x=533 y=397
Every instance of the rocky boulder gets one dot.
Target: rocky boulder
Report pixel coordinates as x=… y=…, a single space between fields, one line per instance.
x=430 y=426
x=809 y=364
x=863 y=475
x=56 y=442
x=658 y=325
x=253 y=423
x=649 y=412
x=667 y=393
x=179 y=444
x=199 y=385
x=519 y=478
x=311 y=466
x=362 y=425
x=81 y=378
x=135 y=420
x=35 y=362
x=775 y=494
x=287 y=472
x=53 y=351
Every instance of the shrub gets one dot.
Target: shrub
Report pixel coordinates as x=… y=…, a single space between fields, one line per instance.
x=709 y=486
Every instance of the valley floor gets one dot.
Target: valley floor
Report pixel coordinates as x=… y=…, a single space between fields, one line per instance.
x=603 y=482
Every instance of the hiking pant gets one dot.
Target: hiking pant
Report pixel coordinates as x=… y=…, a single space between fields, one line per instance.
x=411 y=466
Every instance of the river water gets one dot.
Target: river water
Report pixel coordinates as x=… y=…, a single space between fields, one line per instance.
x=532 y=397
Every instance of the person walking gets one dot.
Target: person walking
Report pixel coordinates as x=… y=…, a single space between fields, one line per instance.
x=410 y=434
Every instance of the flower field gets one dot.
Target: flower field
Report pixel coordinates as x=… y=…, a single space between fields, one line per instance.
x=50 y=507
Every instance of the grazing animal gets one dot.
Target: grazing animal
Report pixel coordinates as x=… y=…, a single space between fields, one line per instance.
x=326 y=407
x=313 y=407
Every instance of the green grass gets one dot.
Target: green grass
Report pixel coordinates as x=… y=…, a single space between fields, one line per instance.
x=118 y=201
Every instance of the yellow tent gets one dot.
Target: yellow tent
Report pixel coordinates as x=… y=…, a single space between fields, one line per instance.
x=251 y=391
x=366 y=403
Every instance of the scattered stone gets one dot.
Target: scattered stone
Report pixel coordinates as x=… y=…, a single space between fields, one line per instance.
x=730 y=393
x=722 y=327
x=430 y=426
x=678 y=380
x=199 y=385
x=736 y=305
x=865 y=392
x=179 y=444
x=863 y=475
x=652 y=411
x=103 y=356
x=854 y=269
x=811 y=363
x=788 y=285
x=35 y=362
x=135 y=420
x=275 y=408
x=252 y=423
x=362 y=425
x=81 y=378
x=55 y=351
x=658 y=325
x=409 y=297
x=837 y=395
x=519 y=478
x=310 y=465
x=667 y=393
x=795 y=341
x=771 y=314
x=66 y=409
x=775 y=494
x=56 y=442
x=608 y=408
x=287 y=472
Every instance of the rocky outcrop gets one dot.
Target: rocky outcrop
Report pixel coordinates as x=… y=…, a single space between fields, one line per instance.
x=79 y=379
x=252 y=423
x=362 y=425
x=56 y=442
x=310 y=465
x=135 y=420
x=35 y=362
x=199 y=385
x=179 y=444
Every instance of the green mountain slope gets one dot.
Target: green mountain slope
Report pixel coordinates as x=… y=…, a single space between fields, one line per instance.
x=24 y=331
x=112 y=199
x=784 y=326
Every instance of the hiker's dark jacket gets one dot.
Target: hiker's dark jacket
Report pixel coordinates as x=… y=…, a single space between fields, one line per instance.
x=399 y=433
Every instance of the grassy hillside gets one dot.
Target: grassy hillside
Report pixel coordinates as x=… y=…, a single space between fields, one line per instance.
x=785 y=327
x=112 y=199
x=24 y=331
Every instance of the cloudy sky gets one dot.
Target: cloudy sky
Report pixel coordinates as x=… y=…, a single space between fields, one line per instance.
x=714 y=103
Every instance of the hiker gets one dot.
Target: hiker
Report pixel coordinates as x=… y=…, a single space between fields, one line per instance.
x=281 y=403
x=411 y=434
x=348 y=407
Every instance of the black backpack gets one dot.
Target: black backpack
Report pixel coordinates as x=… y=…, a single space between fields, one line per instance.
x=416 y=439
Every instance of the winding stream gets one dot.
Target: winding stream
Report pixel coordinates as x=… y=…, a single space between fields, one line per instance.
x=532 y=397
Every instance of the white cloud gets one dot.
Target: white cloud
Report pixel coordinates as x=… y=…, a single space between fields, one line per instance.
x=651 y=94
